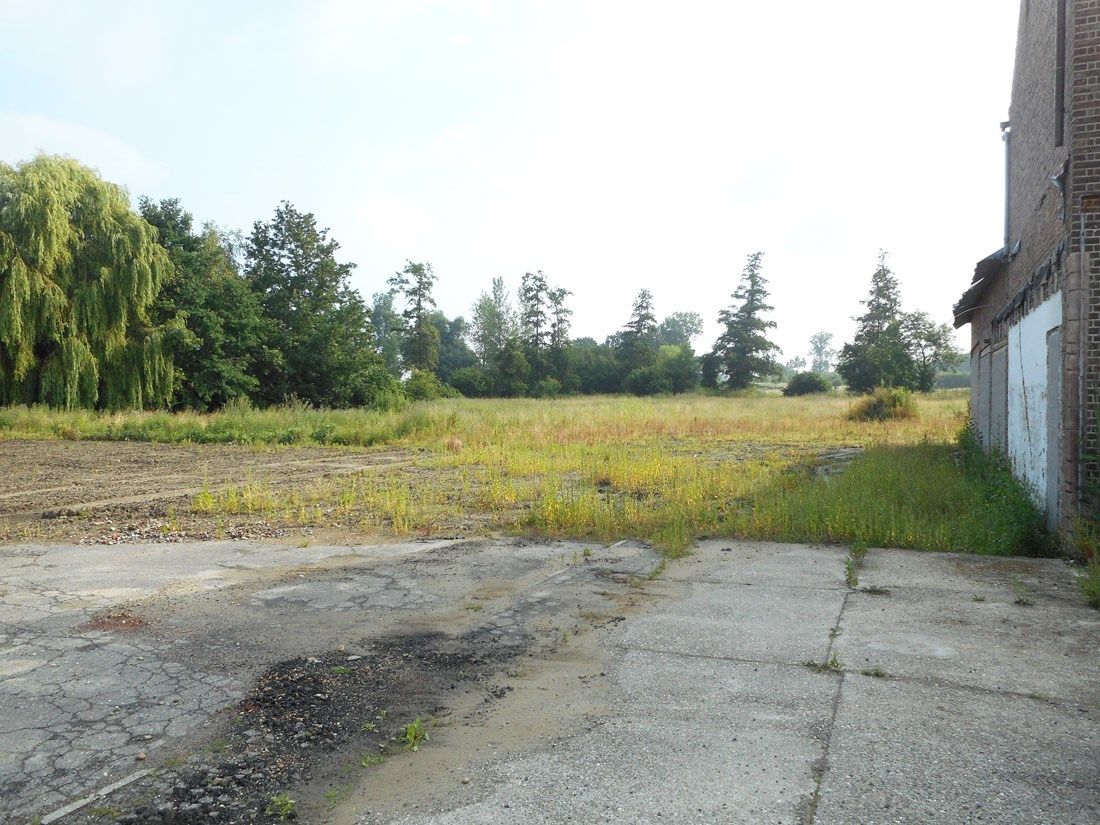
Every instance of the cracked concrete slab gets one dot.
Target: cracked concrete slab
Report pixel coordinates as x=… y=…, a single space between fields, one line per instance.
x=113 y=656
x=684 y=699
x=712 y=713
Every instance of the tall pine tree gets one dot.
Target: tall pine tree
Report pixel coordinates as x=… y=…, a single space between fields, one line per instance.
x=79 y=272
x=743 y=350
x=638 y=341
x=879 y=353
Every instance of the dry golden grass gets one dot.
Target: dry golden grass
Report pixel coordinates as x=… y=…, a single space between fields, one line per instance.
x=666 y=470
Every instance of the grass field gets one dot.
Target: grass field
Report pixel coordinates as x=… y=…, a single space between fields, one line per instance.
x=665 y=470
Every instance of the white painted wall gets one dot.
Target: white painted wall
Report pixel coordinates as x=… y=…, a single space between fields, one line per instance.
x=1027 y=394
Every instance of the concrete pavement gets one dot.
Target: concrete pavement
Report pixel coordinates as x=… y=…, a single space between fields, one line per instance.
x=967 y=691
x=745 y=683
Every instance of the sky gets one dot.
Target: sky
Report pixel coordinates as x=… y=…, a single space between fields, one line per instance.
x=614 y=144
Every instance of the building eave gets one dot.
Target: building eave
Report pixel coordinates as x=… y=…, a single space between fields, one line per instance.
x=985 y=273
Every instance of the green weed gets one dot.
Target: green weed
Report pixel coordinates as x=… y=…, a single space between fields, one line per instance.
x=281 y=806
x=413 y=735
x=1090 y=584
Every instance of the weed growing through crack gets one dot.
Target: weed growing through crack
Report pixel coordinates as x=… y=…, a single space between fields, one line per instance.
x=853 y=562
x=106 y=812
x=875 y=673
x=851 y=576
x=977 y=598
x=282 y=807
x=413 y=735
x=831 y=666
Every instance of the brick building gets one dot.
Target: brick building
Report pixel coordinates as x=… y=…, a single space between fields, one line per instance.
x=1034 y=305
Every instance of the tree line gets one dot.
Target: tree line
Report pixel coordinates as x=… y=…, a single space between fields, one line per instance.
x=102 y=306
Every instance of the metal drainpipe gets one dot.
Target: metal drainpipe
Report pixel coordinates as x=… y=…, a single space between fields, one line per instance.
x=1082 y=339
x=1006 y=135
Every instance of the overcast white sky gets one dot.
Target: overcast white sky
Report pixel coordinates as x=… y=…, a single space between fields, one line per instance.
x=614 y=144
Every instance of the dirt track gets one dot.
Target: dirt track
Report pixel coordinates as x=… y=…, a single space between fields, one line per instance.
x=122 y=489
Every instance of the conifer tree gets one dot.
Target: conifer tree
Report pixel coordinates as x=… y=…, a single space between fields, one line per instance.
x=79 y=272
x=637 y=342
x=879 y=353
x=421 y=345
x=534 y=320
x=743 y=350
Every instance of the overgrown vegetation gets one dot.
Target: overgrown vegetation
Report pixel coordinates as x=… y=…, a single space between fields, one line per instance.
x=1090 y=584
x=665 y=470
x=1087 y=541
x=884 y=404
x=926 y=495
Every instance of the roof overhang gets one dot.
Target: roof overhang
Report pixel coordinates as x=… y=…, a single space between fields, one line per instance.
x=984 y=273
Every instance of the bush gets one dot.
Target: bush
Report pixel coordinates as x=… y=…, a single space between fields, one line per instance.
x=472 y=382
x=380 y=390
x=885 y=404
x=422 y=385
x=645 y=381
x=807 y=383
x=547 y=388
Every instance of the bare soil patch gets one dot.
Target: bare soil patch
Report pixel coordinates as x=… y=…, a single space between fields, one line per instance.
x=96 y=491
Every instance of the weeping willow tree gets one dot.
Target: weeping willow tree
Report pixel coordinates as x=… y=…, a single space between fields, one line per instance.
x=79 y=271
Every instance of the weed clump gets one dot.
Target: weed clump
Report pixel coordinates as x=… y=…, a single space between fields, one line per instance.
x=413 y=735
x=885 y=404
x=281 y=807
x=1087 y=540
x=1090 y=584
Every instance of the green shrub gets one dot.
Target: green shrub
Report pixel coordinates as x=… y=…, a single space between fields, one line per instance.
x=472 y=382
x=548 y=388
x=885 y=404
x=422 y=385
x=807 y=383
x=645 y=381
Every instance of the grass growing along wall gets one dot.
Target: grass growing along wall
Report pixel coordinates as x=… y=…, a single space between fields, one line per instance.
x=926 y=496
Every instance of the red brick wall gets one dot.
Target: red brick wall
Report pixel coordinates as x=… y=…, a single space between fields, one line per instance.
x=1036 y=205
x=1083 y=135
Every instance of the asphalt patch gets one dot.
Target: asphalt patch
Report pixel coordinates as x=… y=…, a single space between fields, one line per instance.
x=306 y=720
